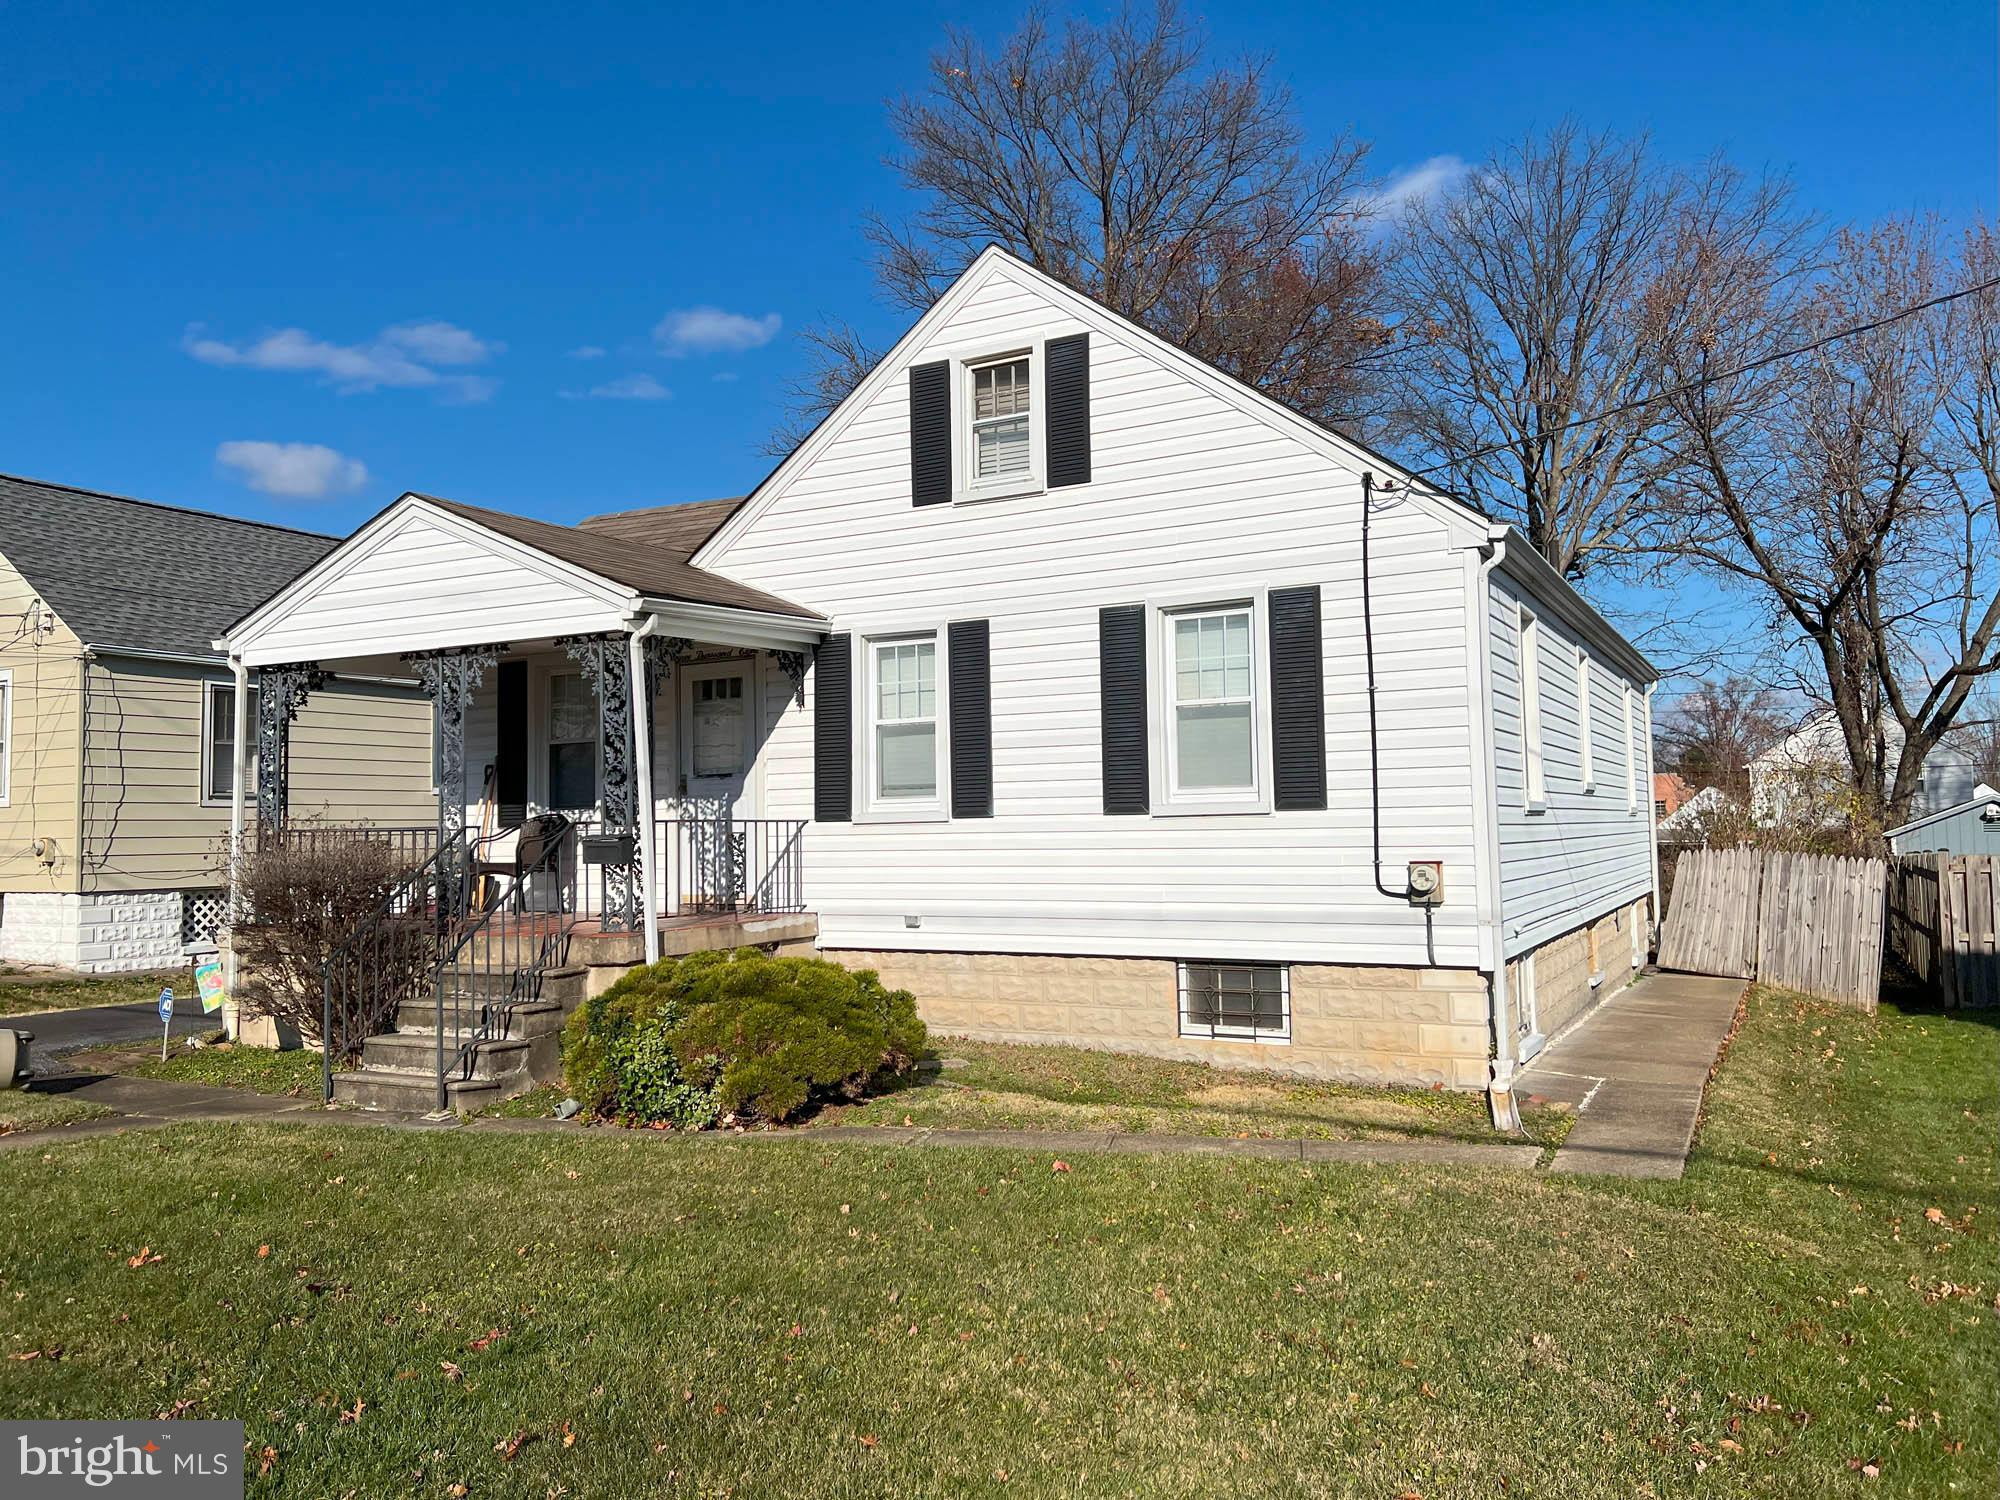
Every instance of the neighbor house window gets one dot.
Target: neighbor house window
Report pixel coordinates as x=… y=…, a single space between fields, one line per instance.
x=1586 y=769
x=1236 y=1002
x=1534 y=778
x=904 y=713
x=218 y=743
x=572 y=743
x=1210 y=657
x=6 y=737
x=998 y=404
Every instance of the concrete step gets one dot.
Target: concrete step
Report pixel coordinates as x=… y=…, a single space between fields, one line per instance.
x=523 y=1018
x=468 y=977
x=416 y=1052
x=411 y=1093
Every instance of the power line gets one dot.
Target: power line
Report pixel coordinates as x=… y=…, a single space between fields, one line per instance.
x=1744 y=369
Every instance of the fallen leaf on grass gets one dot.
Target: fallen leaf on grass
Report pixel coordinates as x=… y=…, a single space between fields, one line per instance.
x=487 y=1340
x=1058 y=1165
x=145 y=1257
x=263 y=1252
x=1934 y=1215
x=353 y=1415
x=1867 y=1468
x=507 y=1447
x=451 y=1371
x=867 y=1440
x=267 y=1460
x=569 y=1436
x=53 y=1352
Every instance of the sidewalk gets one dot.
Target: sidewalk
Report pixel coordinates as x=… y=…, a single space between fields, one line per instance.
x=147 y=1104
x=1635 y=1069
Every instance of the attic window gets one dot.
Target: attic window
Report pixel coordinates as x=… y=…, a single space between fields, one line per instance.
x=998 y=413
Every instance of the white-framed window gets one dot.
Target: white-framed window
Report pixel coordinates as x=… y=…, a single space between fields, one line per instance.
x=1211 y=686
x=218 y=743
x=6 y=738
x=904 y=753
x=998 y=410
x=572 y=755
x=1631 y=755
x=1236 y=1002
x=1534 y=776
x=1586 y=763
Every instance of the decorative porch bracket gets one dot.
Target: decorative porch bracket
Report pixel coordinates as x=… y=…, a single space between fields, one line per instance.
x=663 y=654
x=281 y=690
x=793 y=665
x=604 y=661
x=451 y=677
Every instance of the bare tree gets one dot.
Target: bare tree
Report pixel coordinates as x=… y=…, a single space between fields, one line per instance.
x=1180 y=192
x=1534 y=299
x=1714 y=731
x=837 y=359
x=1850 y=489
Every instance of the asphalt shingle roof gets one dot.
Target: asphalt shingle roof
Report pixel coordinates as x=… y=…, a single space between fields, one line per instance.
x=142 y=575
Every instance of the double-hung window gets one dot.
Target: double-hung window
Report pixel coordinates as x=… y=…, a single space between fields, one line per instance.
x=905 y=709
x=1534 y=776
x=997 y=416
x=6 y=737
x=218 y=742
x=572 y=762
x=1211 y=669
x=1586 y=768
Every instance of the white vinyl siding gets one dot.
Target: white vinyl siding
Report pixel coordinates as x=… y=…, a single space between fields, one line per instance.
x=1531 y=711
x=1192 y=500
x=1583 y=855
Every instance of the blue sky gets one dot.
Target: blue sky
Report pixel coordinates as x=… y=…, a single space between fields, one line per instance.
x=388 y=232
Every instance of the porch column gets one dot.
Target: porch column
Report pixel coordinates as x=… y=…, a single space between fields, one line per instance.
x=239 y=781
x=281 y=690
x=451 y=677
x=642 y=751
x=605 y=661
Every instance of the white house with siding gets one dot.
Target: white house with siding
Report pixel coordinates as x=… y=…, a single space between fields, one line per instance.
x=1049 y=654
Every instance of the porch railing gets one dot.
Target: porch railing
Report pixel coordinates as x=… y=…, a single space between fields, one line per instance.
x=730 y=865
x=411 y=844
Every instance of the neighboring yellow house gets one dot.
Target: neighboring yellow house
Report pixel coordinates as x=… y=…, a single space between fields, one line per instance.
x=116 y=724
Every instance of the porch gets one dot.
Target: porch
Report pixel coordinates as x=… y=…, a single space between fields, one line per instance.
x=604 y=716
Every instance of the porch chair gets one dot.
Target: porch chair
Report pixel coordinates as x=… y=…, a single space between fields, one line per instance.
x=515 y=854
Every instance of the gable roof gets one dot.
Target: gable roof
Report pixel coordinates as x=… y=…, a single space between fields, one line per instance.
x=681 y=529
x=141 y=575
x=657 y=569
x=1982 y=794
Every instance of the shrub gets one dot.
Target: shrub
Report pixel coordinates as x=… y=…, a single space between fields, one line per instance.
x=306 y=899
x=767 y=1033
x=618 y=1062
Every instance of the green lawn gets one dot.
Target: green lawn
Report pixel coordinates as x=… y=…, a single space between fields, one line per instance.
x=21 y=1109
x=263 y=1070
x=997 y=1086
x=23 y=992
x=605 y=1313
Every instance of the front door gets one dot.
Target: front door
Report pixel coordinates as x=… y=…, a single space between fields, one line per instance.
x=718 y=731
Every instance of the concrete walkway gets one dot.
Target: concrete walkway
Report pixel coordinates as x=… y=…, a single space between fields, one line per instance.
x=144 y=1104
x=1634 y=1069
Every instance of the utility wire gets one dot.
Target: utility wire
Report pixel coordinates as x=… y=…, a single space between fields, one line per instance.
x=1743 y=369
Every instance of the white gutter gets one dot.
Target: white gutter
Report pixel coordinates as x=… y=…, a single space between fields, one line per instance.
x=238 y=779
x=642 y=752
x=1500 y=1089
x=1658 y=917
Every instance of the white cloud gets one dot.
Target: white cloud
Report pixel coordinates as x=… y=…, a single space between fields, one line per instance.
x=587 y=351
x=1418 y=184
x=293 y=471
x=711 y=330
x=624 y=388
x=404 y=356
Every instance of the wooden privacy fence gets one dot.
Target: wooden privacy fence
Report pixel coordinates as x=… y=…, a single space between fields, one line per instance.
x=1944 y=923
x=1810 y=922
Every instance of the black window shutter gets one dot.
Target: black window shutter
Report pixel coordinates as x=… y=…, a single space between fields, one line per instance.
x=1067 y=428
x=1298 y=700
x=1121 y=666
x=833 y=730
x=510 y=746
x=971 y=683
x=930 y=434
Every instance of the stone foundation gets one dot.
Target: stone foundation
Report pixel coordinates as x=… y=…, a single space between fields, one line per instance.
x=1582 y=967
x=1350 y=1023
x=111 y=932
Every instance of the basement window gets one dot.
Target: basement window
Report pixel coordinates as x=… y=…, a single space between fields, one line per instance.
x=1236 y=1002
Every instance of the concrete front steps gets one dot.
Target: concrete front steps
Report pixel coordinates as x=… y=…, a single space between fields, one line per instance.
x=399 y=1068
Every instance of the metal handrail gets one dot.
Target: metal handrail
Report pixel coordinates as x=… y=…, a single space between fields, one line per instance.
x=729 y=864
x=441 y=878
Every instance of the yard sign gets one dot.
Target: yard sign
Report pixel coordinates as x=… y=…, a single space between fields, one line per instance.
x=208 y=983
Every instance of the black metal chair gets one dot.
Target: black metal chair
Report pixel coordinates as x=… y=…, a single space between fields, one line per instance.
x=515 y=854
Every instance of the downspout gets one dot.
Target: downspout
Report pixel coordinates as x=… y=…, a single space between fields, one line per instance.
x=239 y=775
x=642 y=752
x=1656 y=917
x=1500 y=1090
